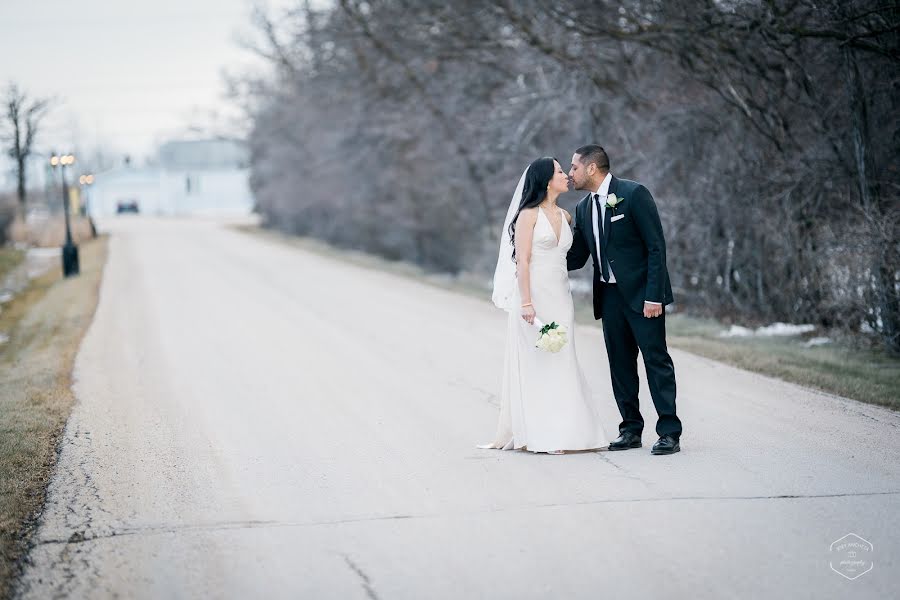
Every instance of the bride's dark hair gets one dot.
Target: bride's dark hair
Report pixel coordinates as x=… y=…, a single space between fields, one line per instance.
x=540 y=172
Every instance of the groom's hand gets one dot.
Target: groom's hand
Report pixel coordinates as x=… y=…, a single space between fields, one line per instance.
x=652 y=310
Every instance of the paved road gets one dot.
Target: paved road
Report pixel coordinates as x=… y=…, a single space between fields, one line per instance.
x=259 y=421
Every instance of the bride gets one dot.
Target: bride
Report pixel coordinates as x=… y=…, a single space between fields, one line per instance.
x=546 y=405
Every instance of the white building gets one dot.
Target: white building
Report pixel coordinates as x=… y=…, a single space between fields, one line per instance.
x=201 y=177
x=124 y=185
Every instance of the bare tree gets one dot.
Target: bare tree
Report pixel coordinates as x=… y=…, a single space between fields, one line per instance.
x=766 y=130
x=23 y=116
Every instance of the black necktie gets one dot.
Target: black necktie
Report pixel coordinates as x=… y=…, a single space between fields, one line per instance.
x=604 y=269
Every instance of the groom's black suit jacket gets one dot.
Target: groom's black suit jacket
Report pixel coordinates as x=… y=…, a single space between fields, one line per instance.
x=635 y=246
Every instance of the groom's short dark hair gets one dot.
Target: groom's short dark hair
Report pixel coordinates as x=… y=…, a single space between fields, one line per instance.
x=594 y=153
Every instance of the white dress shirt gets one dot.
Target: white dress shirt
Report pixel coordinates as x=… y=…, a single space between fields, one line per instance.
x=603 y=191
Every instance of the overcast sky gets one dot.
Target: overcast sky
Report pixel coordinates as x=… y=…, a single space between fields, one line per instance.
x=129 y=74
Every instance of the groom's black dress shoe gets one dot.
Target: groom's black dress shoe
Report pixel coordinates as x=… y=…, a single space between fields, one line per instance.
x=666 y=444
x=625 y=441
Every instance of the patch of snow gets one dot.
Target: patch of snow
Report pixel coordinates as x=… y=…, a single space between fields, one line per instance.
x=37 y=262
x=817 y=341
x=773 y=330
x=737 y=331
x=778 y=329
x=45 y=252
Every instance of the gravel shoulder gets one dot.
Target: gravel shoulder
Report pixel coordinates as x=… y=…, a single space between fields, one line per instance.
x=41 y=328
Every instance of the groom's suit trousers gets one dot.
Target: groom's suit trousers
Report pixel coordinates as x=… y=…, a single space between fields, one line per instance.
x=626 y=332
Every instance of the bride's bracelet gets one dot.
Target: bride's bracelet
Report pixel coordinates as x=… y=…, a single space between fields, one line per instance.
x=529 y=304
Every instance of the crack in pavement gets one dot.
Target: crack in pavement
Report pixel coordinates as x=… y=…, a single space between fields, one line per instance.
x=75 y=497
x=366 y=581
x=490 y=397
x=80 y=538
x=625 y=473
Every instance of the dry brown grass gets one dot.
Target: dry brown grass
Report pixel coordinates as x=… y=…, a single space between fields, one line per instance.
x=50 y=232
x=45 y=324
x=869 y=375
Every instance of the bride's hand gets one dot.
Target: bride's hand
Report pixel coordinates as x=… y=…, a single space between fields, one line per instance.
x=528 y=314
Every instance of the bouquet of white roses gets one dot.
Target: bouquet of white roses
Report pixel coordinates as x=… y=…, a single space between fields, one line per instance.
x=552 y=337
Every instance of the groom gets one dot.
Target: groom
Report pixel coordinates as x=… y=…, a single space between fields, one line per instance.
x=618 y=226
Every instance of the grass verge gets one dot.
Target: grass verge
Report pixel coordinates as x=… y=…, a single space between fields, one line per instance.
x=866 y=375
x=9 y=260
x=45 y=324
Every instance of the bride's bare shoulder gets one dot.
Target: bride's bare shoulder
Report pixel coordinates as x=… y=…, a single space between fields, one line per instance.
x=568 y=216
x=529 y=214
x=526 y=221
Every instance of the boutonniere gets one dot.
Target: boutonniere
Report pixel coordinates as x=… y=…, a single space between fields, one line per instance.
x=612 y=201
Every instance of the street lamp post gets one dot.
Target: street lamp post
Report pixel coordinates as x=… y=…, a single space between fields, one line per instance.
x=86 y=182
x=69 y=249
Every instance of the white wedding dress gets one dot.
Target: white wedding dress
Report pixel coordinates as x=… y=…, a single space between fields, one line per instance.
x=545 y=402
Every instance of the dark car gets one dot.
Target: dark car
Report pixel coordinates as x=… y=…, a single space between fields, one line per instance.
x=127 y=206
